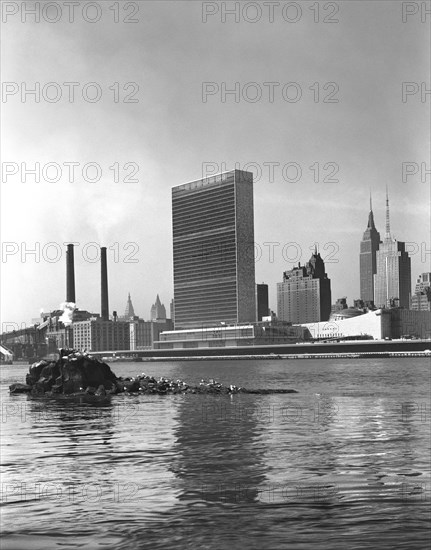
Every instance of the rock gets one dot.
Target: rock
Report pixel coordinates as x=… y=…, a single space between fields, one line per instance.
x=19 y=388
x=119 y=384
x=100 y=390
x=131 y=386
x=68 y=387
x=38 y=388
x=34 y=372
x=70 y=374
x=75 y=373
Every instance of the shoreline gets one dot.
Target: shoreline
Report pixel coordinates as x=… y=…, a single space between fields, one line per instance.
x=380 y=349
x=317 y=350
x=281 y=357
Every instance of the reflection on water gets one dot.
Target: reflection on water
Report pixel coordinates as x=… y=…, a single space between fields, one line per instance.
x=342 y=464
x=213 y=455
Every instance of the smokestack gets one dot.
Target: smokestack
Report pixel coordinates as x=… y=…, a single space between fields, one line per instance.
x=104 y=285
x=70 y=274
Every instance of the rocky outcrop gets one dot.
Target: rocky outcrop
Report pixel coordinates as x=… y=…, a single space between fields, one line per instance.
x=19 y=388
x=75 y=373
x=72 y=373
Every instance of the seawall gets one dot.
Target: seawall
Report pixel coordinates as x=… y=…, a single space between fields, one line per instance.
x=366 y=349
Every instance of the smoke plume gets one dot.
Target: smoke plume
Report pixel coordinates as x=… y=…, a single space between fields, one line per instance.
x=68 y=309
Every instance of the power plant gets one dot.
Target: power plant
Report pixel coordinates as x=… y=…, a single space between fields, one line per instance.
x=70 y=281
x=73 y=327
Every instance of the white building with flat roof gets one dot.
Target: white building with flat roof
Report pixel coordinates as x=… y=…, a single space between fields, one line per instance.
x=374 y=324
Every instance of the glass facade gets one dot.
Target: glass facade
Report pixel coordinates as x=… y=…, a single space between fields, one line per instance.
x=222 y=333
x=213 y=246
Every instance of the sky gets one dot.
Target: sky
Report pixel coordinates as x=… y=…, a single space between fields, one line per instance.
x=328 y=102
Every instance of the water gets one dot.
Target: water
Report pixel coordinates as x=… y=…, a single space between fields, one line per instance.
x=344 y=463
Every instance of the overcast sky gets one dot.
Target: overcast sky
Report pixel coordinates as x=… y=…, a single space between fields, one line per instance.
x=357 y=129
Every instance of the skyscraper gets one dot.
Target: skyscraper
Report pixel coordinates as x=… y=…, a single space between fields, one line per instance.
x=367 y=258
x=158 y=311
x=213 y=245
x=129 y=312
x=392 y=281
x=304 y=296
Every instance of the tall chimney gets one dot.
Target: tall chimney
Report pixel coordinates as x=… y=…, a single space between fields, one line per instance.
x=70 y=274
x=104 y=285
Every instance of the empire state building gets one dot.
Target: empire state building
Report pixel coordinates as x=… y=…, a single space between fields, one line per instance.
x=367 y=258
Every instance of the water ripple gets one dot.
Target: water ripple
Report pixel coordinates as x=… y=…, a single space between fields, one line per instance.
x=342 y=464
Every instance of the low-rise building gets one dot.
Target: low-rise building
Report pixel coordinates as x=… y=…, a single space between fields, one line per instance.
x=99 y=335
x=58 y=328
x=421 y=299
x=143 y=334
x=339 y=305
x=264 y=333
x=410 y=323
x=374 y=325
x=378 y=325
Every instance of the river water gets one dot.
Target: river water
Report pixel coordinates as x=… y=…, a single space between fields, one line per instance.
x=342 y=464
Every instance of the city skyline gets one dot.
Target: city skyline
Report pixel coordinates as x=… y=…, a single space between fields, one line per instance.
x=186 y=193
x=173 y=135
x=272 y=288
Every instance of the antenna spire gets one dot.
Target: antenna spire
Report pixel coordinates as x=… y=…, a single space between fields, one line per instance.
x=371 y=203
x=388 y=227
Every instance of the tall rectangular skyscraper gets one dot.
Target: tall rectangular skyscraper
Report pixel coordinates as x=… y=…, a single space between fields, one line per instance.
x=392 y=281
x=213 y=246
